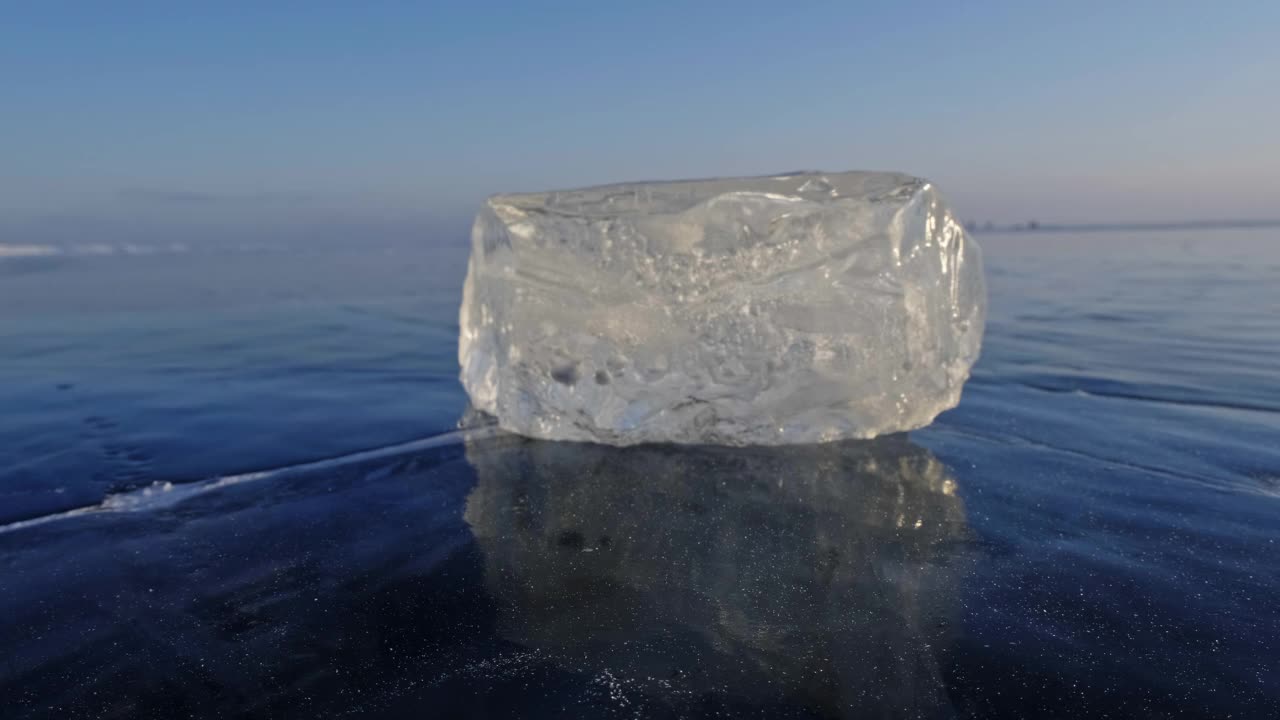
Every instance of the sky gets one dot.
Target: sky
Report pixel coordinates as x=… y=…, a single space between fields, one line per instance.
x=395 y=119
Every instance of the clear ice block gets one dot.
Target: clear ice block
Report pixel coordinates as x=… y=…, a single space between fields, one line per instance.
x=796 y=308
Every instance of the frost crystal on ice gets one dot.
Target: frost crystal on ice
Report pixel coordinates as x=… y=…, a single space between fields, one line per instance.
x=787 y=309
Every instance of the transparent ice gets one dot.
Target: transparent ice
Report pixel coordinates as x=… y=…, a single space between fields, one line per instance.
x=795 y=308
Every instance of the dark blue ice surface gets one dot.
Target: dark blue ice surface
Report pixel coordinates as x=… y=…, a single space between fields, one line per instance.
x=1093 y=532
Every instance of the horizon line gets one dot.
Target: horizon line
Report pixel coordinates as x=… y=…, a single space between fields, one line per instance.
x=1036 y=226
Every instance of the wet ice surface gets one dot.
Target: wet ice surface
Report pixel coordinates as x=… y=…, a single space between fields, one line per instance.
x=1092 y=532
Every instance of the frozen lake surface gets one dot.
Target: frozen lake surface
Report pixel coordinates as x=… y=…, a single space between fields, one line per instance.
x=1094 y=531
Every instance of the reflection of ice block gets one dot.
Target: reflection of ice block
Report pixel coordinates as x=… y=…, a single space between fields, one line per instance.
x=818 y=576
x=773 y=310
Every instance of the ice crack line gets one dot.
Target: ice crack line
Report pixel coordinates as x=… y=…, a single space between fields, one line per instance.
x=163 y=494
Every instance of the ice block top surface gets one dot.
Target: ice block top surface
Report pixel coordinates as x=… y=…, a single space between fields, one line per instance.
x=677 y=196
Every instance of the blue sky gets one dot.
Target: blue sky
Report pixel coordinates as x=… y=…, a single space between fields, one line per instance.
x=236 y=118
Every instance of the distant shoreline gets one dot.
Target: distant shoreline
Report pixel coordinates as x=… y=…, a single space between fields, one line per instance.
x=1034 y=227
